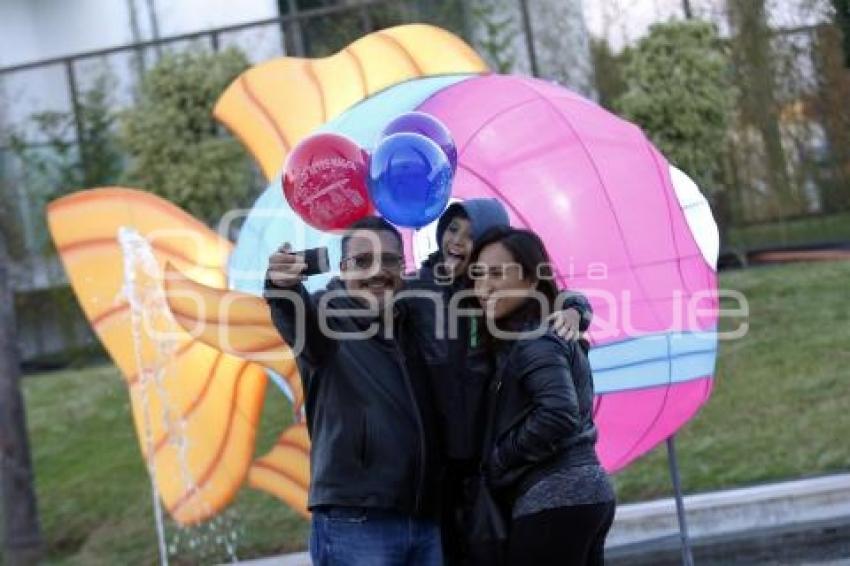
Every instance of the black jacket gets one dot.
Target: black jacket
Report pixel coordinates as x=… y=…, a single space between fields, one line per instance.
x=369 y=411
x=459 y=389
x=543 y=411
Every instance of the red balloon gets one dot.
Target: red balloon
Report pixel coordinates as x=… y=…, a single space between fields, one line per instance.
x=324 y=181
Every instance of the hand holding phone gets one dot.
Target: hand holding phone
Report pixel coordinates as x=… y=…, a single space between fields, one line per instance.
x=288 y=268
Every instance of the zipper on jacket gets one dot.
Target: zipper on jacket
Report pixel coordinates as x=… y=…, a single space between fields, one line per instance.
x=422 y=456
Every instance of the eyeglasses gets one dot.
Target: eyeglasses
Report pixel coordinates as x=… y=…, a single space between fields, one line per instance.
x=387 y=260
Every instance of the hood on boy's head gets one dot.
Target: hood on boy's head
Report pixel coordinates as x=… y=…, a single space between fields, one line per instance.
x=483 y=214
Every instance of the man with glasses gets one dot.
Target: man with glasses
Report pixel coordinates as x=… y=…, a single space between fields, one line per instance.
x=370 y=417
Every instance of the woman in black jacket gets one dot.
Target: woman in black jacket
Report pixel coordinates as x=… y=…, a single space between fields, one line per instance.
x=541 y=458
x=460 y=390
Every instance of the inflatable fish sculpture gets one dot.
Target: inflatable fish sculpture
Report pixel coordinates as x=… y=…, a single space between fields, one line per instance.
x=179 y=308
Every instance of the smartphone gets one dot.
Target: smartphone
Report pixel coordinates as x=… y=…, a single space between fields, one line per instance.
x=316 y=259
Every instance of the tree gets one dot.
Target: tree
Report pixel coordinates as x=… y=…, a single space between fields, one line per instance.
x=754 y=64
x=495 y=33
x=62 y=162
x=829 y=105
x=558 y=32
x=677 y=88
x=175 y=148
x=607 y=72
x=22 y=534
x=842 y=20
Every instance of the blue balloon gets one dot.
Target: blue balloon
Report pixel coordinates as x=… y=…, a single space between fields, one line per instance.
x=410 y=179
x=428 y=126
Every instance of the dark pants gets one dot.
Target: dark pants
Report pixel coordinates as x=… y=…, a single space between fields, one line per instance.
x=564 y=536
x=455 y=510
x=351 y=536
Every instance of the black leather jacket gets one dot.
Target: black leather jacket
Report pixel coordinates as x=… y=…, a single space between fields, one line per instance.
x=543 y=411
x=369 y=410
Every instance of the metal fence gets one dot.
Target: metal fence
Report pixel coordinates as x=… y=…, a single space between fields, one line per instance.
x=806 y=100
x=811 y=116
x=309 y=33
x=55 y=88
x=43 y=103
x=808 y=107
x=44 y=107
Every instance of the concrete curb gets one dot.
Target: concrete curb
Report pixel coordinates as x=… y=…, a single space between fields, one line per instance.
x=737 y=510
x=794 y=522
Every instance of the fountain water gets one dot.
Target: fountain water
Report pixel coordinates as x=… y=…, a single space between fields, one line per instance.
x=153 y=325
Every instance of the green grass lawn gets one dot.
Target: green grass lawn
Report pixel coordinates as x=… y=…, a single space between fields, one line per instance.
x=780 y=410
x=814 y=229
x=94 y=493
x=781 y=403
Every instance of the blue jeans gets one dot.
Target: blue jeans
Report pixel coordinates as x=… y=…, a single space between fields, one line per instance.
x=351 y=536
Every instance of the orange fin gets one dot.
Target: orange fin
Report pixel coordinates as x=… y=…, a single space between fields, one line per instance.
x=232 y=322
x=195 y=408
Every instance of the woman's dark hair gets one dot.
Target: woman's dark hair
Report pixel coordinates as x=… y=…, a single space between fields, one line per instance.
x=529 y=252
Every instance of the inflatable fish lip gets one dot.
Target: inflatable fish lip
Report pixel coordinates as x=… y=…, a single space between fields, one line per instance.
x=197 y=375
